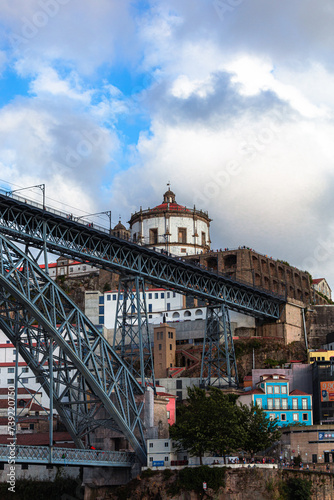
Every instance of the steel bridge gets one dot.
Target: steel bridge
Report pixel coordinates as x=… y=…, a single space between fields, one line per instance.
x=86 y=380
x=66 y=456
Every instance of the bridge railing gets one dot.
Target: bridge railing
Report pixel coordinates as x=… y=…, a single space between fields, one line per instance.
x=43 y=454
x=84 y=222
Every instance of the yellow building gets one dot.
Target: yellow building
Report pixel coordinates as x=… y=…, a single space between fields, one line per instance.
x=319 y=355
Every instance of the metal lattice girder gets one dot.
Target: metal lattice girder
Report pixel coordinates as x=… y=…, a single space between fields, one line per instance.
x=218 y=359
x=26 y=223
x=131 y=335
x=37 y=316
x=67 y=456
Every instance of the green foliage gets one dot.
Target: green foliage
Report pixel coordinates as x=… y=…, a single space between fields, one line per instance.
x=192 y=479
x=207 y=423
x=271 y=362
x=260 y=432
x=149 y=473
x=296 y=488
x=246 y=347
x=297 y=460
x=283 y=262
x=26 y=489
x=190 y=430
x=329 y=301
x=167 y=473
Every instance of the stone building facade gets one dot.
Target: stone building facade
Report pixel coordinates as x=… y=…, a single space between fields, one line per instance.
x=245 y=264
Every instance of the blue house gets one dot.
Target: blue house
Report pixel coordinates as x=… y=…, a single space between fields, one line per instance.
x=274 y=396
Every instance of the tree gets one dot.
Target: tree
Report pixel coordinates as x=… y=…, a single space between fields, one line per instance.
x=225 y=429
x=190 y=430
x=208 y=422
x=260 y=431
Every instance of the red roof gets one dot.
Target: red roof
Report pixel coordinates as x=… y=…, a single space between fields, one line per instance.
x=317 y=281
x=61 y=439
x=175 y=207
x=20 y=390
x=254 y=391
x=297 y=392
x=165 y=394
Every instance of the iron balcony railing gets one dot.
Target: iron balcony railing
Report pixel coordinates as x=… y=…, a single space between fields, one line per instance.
x=289 y=407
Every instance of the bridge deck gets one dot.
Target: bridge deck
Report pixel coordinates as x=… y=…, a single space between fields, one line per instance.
x=65 y=456
x=31 y=223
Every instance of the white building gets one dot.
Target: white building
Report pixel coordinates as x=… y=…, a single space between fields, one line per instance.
x=172 y=227
x=101 y=308
x=69 y=268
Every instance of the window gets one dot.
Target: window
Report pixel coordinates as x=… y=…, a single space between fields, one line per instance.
x=162 y=295
x=168 y=306
x=24 y=380
x=305 y=417
x=174 y=295
x=179 y=384
x=170 y=347
x=168 y=295
x=150 y=308
x=270 y=404
x=153 y=236
x=284 y=404
x=101 y=309
x=283 y=389
x=151 y=459
x=101 y=299
x=108 y=297
x=295 y=417
x=71 y=269
x=101 y=320
x=84 y=268
x=25 y=370
x=168 y=414
x=166 y=459
x=179 y=395
x=24 y=466
x=203 y=239
x=166 y=444
x=272 y=416
x=277 y=404
x=150 y=296
x=14 y=352
x=258 y=402
x=182 y=235
x=269 y=389
x=304 y=403
x=156 y=295
x=10 y=370
x=295 y=403
x=151 y=445
x=160 y=347
x=114 y=297
x=10 y=381
x=276 y=389
x=283 y=417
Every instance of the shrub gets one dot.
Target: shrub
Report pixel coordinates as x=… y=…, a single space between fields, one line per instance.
x=193 y=479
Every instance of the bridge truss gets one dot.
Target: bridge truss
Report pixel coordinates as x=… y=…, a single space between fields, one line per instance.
x=78 y=369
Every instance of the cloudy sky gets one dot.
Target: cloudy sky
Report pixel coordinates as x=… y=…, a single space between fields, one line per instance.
x=231 y=101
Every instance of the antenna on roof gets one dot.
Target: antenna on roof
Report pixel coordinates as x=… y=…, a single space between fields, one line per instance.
x=168 y=185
